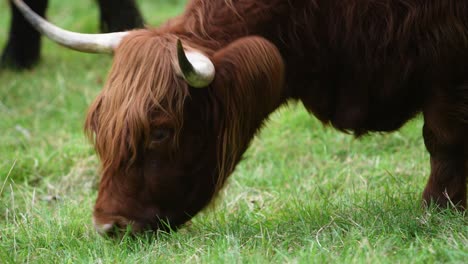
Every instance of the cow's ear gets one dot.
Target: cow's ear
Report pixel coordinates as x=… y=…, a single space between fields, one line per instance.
x=250 y=63
x=250 y=59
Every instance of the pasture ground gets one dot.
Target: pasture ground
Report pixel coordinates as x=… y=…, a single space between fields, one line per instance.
x=304 y=194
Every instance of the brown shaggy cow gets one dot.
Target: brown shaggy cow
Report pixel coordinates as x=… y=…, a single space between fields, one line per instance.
x=359 y=65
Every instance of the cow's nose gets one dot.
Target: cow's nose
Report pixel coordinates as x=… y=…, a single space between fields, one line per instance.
x=104 y=228
x=110 y=226
x=118 y=226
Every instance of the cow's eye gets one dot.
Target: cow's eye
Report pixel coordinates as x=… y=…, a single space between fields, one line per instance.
x=159 y=135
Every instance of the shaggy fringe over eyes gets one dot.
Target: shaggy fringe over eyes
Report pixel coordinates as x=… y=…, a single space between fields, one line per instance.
x=142 y=81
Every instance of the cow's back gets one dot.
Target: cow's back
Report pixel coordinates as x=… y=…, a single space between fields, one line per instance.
x=370 y=65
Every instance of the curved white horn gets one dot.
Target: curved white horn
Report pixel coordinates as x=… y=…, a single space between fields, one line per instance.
x=197 y=69
x=92 y=43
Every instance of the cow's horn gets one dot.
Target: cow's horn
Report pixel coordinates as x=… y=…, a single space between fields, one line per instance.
x=92 y=43
x=197 y=69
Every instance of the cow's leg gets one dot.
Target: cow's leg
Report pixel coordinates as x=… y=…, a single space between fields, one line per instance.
x=446 y=138
x=24 y=43
x=119 y=15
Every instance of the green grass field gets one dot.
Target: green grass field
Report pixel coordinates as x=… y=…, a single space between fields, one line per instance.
x=304 y=194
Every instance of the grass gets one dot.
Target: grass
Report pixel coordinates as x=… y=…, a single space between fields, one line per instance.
x=304 y=193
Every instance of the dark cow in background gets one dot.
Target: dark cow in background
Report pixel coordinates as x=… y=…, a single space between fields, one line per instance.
x=182 y=102
x=23 y=46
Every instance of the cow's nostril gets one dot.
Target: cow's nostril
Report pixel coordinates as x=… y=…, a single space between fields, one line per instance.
x=103 y=228
x=118 y=225
x=109 y=227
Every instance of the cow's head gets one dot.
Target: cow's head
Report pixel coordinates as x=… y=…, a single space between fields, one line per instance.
x=168 y=130
x=155 y=134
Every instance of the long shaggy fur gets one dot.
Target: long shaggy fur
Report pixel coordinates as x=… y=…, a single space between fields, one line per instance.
x=348 y=61
x=245 y=65
x=358 y=65
x=130 y=94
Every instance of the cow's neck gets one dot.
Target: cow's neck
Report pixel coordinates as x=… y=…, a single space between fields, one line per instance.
x=248 y=87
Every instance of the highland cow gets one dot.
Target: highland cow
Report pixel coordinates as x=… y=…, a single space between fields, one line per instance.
x=183 y=101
